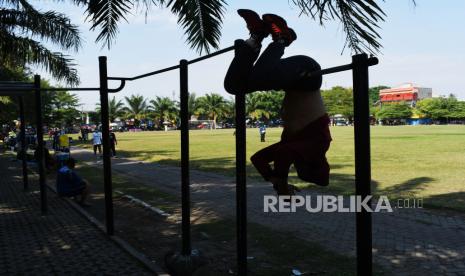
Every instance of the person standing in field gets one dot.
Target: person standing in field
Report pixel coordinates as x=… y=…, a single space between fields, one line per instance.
x=113 y=143
x=262 y=131
x=97 y=141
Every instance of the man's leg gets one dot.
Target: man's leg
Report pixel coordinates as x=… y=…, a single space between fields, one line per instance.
x=113 y=149
x=85 y=192
x=282 y=158
x=100 y=148
x=262 y=159
x=273 y=73
x=237 y=77
x=95 y=149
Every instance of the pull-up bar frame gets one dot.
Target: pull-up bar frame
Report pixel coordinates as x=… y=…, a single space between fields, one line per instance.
x=359 y=67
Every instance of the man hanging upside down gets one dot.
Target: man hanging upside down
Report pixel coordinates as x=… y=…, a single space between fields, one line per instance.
x=305 y=137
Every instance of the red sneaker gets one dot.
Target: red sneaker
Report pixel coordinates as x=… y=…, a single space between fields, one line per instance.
x=278 y=28
x=255 y=24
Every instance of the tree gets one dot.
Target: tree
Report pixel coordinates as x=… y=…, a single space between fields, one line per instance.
x=193 y=104
x=137 y=107
x=115 y=109
x=264 y=105
x=339 y=100
x=22 y=28
x=441 y=108
x=256 y=107
x=60 y=108
x=394 y=111
x=164 y=109
x=212 y=105
x=202 y=19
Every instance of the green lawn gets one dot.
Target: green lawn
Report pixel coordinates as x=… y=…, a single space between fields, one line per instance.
x=407 y=161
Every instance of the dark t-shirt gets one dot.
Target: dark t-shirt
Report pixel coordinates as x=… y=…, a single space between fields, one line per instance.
x=112 y=138
x=68 y=182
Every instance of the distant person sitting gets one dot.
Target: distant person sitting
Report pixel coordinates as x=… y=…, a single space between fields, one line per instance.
x=97 y=141
x=70 y=184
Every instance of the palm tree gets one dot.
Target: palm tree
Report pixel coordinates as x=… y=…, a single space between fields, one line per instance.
x=256 y=107
x=193 y=104
x=115 y=109
x=202 y=19
x=164 y=109
x=22 y=28
x=212 y=105
x=137 y=107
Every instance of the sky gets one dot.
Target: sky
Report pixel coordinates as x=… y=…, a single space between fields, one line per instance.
x=422 y=44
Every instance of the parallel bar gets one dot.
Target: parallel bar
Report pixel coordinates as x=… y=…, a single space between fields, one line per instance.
x=241 y=186
x=331 y=70
x=27 y=90
x=211 y=55
x=362 y=162
x=16 y=93
x=40 y=146
x=146 y=75
x=109 y=221
x=23 y=142
x=370 y=62
x=173 y=67
x=185 y=189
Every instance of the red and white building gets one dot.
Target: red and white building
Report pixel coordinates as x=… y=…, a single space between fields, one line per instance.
x=408 y=92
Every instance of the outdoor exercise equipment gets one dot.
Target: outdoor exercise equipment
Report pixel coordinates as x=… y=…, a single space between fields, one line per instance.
x=188 y=260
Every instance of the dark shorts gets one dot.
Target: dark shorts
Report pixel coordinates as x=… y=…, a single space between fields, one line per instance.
x=309 y=147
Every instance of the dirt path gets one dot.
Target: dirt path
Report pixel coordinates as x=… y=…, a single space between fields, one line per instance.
x=406 y=242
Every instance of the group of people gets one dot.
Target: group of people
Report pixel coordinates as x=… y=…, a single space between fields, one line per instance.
x=97 y=142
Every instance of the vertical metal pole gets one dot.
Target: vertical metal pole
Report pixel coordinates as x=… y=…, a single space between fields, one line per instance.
x=23 y=142
x=109 y=220
x=241 y=192
x=40 y=145
x=185 y=189
x=362 y=162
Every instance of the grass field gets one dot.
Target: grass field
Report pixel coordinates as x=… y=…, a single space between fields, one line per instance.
x=407 y=161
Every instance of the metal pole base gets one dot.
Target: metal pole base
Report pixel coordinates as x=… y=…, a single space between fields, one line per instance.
x=184 y=265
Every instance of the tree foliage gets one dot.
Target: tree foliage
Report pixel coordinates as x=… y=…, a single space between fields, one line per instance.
x=441 y=108
x=23 y=32
x=264 y=105
x=394 y=111
x=164 y=109
x=339 y=100
x=212 y=105
x=202 y=19
x=136 y=107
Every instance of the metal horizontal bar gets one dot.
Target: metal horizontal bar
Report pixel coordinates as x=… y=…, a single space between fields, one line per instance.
x=16 y=84
x=225 y=50
x=70 y=89
x=173 y=67
x=145 y=75
x=15 y=93
x=370 y=62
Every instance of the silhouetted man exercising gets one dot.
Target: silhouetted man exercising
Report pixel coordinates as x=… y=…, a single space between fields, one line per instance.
x=305 y=137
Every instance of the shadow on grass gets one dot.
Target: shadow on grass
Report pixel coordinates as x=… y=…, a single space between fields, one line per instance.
x=411 y=186
x=274 y=252
x=451 y=201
